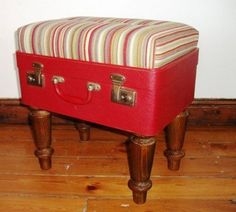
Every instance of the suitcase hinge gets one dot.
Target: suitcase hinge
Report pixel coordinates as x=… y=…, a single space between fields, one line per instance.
x=120 y=94
x=36 y=77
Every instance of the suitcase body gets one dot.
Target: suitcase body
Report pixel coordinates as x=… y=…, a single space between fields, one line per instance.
x=136 y=100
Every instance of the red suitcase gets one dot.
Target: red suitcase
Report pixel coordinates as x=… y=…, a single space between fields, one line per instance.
x=160 y=94
x=61 y=71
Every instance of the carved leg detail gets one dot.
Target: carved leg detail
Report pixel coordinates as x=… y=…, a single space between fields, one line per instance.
x=175 y=133
x=140 y=155
x=41 y=127
x=84 y=131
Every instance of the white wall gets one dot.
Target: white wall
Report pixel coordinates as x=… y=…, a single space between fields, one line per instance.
x=215 y=19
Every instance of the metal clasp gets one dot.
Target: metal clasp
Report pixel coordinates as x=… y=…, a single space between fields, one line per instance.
x=120 y=94
x=36 y=77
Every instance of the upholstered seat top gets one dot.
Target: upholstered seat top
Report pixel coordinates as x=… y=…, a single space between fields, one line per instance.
x=129 y=42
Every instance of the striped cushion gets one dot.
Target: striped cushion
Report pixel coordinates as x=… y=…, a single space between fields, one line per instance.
x=129 y=42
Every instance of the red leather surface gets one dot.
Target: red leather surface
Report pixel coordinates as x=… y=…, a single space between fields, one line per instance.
x=161 y=93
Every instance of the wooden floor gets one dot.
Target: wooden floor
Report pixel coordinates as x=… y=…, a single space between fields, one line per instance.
x=92 y=176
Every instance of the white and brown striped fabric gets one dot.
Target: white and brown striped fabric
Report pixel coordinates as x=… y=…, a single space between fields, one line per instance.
x=129 y=42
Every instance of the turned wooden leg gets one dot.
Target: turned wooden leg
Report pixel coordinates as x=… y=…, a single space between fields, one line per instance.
x=140 y=155
x=175 y=133
x=84 y=131
x=41 y=127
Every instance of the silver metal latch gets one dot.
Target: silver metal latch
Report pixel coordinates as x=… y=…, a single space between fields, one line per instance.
x=36 y=77
x=120 y=94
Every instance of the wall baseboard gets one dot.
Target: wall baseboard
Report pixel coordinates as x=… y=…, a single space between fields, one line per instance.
x=203 y=112
x=212 y=112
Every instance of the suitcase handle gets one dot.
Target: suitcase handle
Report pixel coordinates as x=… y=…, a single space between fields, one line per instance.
x=91 y=86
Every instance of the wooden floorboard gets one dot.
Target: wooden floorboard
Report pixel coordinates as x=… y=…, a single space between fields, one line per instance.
x=116 y=187
x=76 y=166
x=92 y=175
x=41 y=203
x=170 y=205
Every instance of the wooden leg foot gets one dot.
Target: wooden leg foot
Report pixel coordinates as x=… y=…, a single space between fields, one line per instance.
x=173 y=159
x=140 y=155
x=44 y=156
x=175 y=133
x=84 y=131
x=139 y=190
x=41 y=127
